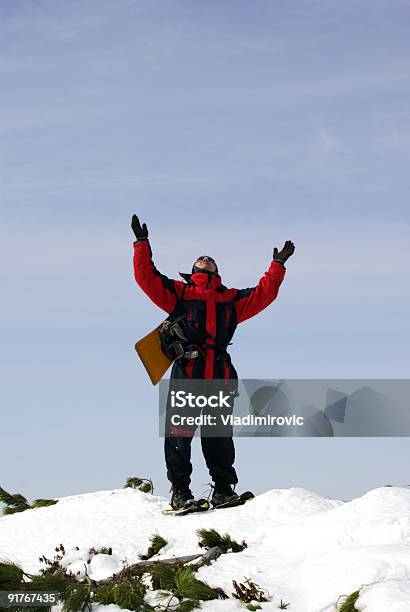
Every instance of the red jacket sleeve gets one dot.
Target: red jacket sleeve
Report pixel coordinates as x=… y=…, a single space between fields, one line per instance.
x=162 y=290
x=249 y=302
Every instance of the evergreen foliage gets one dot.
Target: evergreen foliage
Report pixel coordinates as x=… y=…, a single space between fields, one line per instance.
x=42 y=503
x=188 y=586
x=162 y=576
x=11 y=576
x=14 y=503
x=48 y=581
x=157 y=542
x=209 y=538
x=18 y=503
x=77 y=598
x=349 y=603
x=187 y=605
x=145 y=485
x=183 y=584
x=127 y=595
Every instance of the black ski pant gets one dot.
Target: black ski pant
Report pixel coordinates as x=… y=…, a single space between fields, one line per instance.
x=217 y=447
x=219 y=455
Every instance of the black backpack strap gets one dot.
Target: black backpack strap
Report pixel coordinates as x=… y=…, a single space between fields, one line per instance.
x=177 y=312
x=181 y=299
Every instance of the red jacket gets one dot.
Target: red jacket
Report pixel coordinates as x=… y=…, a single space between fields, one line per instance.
x=212 y=311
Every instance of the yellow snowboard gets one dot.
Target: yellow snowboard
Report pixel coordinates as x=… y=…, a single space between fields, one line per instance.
x=154 y=360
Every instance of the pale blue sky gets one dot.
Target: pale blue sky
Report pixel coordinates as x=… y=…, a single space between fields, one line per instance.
x=229 y=127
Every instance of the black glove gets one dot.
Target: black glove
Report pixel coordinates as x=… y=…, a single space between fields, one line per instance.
x=141 y=233
x=285 y=253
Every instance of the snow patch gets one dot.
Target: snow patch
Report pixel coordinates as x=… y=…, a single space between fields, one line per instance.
x=103 y=566
x=302 y=548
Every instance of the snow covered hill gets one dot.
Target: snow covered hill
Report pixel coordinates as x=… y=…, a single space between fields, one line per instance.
x=302 y=548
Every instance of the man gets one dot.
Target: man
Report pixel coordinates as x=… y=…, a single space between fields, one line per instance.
x=211 y=315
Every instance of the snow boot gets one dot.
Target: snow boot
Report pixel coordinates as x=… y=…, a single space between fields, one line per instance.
x=181 y=498
x=223 y=494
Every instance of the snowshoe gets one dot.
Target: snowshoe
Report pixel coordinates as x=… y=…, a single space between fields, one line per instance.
x=229 y=499
x=222 y=494
x=181 y=498
x=195 y=505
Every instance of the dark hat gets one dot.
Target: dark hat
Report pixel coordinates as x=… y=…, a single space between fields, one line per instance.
x=195 y=269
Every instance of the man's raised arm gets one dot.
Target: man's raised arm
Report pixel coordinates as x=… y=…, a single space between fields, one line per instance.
x=162 y=290
x=249 y=302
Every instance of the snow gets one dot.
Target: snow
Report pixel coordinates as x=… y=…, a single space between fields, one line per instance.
x=102 y=566
x=302 y=548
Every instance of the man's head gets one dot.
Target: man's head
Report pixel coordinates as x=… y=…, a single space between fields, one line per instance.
x=205 y=263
